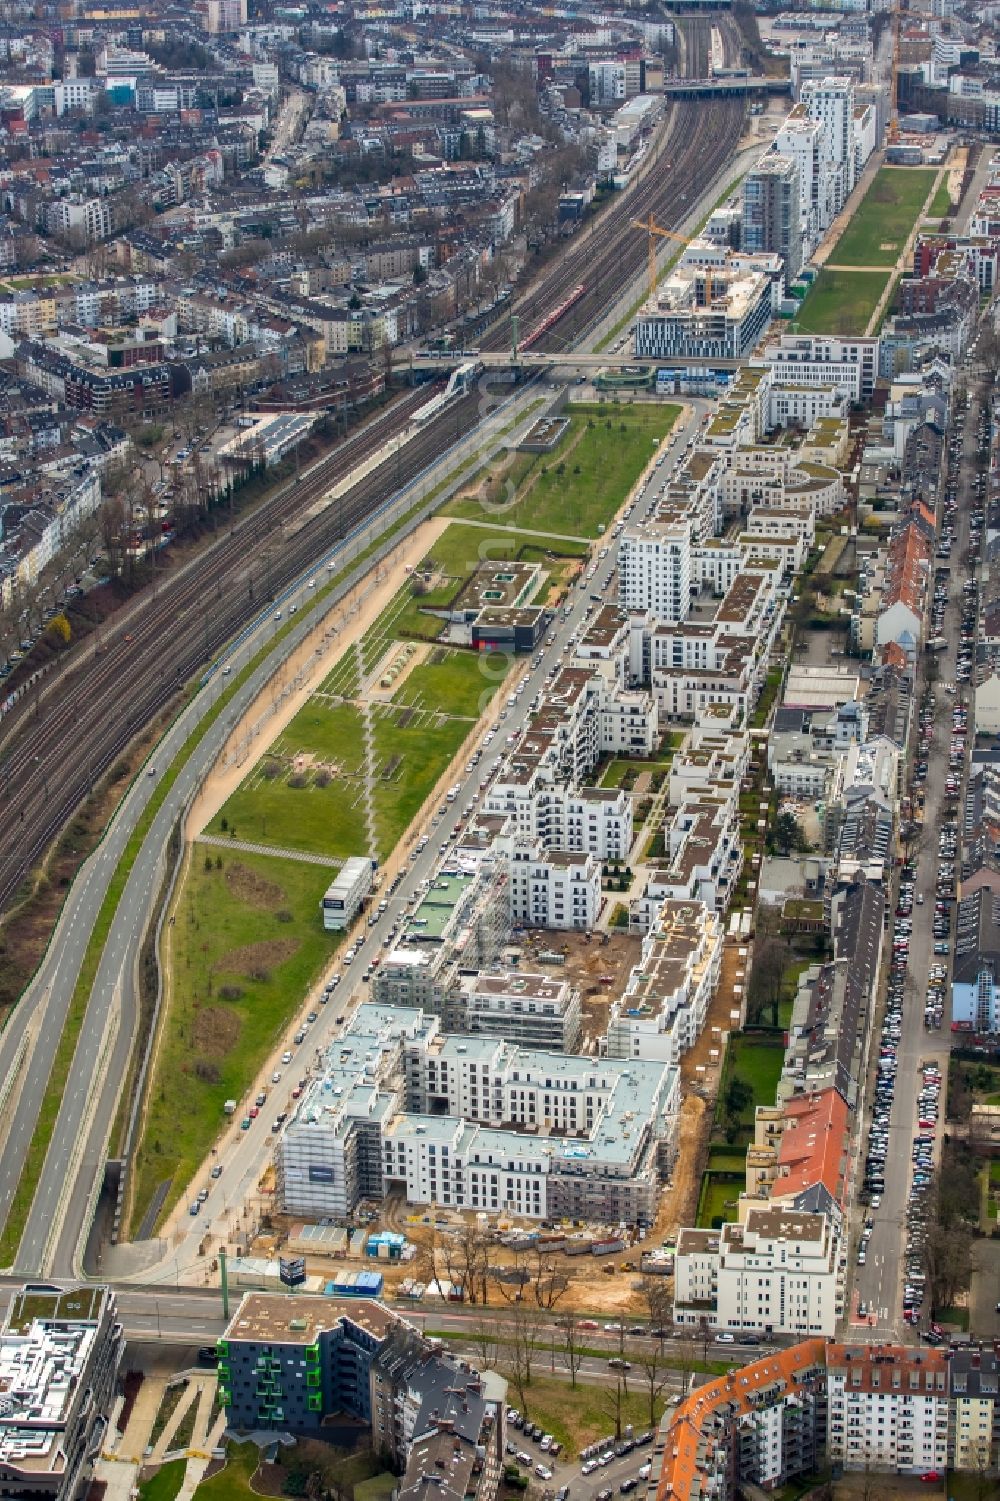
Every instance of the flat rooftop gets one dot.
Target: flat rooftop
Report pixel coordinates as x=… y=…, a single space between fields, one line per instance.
x=286 y=1319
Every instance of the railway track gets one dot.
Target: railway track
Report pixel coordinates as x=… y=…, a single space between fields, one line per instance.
x=53 y=753
x=61 y=753
x=667 y=193
x=700 y=136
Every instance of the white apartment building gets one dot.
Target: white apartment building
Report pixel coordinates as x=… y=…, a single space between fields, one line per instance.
x=553 y=888
x=831 y=101
x=654 y=570
x=616 y=1120
x=716 y=565
x=73 y=94
x=532 y=1010
x=662 y=1010
x=589 y=820
x=825 y=359
x=776 y=1274
x=684 y=320
x=704 y=852
x=887 y=1408
x=607 y=83
x=801 y=139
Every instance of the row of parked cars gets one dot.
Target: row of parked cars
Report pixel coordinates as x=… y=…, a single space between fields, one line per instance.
x=892 y=1027
x=605 y=1451
x=922 y=1158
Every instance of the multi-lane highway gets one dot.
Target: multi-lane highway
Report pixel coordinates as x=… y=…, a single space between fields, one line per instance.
x=76 y=1153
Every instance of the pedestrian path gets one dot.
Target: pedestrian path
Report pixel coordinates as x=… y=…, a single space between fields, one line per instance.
x=330 y=862
x=523 y=531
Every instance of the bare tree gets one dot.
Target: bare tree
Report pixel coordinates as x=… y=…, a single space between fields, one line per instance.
x=548 y=1281
x=655 y=1294
x=112 y=516
x=682 y=1359
x=522 y=1336
x=485 y=1340
x=651 y=1359
x=466 y=1259
x=571 y=1350
x=614 y=1399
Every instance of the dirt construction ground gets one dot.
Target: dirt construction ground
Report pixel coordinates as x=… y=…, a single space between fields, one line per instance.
x=591 y=1289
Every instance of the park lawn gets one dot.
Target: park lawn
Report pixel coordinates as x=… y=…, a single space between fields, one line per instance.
x=414 y=739
x=841 y=302
x=423 y=749
x=453 y=681
x=164 y=1485
x=578 y=487
x=330 y=820
x=316 y=820
x=456 y=555
x=579 y=1417
x=719 y=1199
x=247 y=942
x=879 y=229
x=233 y=1482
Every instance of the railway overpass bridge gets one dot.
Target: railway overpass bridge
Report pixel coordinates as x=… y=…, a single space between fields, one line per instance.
x=530 y=360
x=725 y=86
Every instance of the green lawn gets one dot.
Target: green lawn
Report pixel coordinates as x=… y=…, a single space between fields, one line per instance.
x=164 y=1485
x=723 y=1158
x=719 y=1198
x=841 y=302
x=758 y=1061
x=617 y=770
x=576 y=489
x=878 y=231
x=941 y=203
x=233 y=1482
x=247 y=942
x=377 y=1488
x=307 y=792
x=577 y=1418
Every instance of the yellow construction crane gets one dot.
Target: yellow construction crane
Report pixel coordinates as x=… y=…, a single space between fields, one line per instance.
x=654 y=231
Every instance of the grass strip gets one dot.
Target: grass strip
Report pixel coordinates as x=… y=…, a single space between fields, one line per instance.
x=665 y=269
x=20 y=1205
x=169 y=1403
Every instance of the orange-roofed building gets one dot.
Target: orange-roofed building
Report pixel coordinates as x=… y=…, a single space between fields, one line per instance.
x=877 y=1407
x=762 y=1424
x=907 y=572
x=887 y=1406
x=813 y=1146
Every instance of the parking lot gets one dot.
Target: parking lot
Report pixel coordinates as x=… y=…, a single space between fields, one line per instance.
x=604 y=1469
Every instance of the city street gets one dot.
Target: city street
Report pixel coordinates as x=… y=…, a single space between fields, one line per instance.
x=878 y=1284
